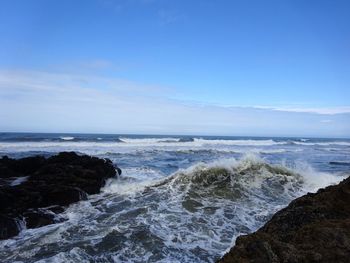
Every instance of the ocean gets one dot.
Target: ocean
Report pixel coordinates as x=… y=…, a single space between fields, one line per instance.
x=179 y=198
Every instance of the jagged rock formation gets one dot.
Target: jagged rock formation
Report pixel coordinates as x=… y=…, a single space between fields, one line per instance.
x=313 y=228
x=34 y=189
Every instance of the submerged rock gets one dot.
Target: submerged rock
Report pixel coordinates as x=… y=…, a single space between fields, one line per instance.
x=313 y=228
x=49 y=183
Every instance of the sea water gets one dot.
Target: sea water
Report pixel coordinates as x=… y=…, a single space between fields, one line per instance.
x=179 y=198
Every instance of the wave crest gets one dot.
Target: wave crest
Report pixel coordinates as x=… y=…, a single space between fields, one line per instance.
x=248 y=178
x=250 y=166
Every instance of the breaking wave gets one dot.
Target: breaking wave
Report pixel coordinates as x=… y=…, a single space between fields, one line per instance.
x=201 y=141
x=67 y=138
x=238 y=178
x=193 y=215
x=146 y=141
x=338 y=143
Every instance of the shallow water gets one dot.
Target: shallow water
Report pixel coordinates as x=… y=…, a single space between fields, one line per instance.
x=180 y=198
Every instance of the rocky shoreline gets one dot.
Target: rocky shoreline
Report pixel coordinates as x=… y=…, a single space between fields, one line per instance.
x=312 y=228
x=34 y=190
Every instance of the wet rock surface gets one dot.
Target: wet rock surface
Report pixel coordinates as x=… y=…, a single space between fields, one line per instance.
x=313 y=228
x=34 y=189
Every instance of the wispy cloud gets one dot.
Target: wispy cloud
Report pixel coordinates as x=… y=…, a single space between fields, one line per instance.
x=324 y=110
x=55 y=102
x=16 y=81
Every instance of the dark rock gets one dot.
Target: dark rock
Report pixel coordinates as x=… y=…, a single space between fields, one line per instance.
x=54 y=182
x=6 y=172
x=8 y=227
x=37 y=219
x=6 y=200
x=313 y=228
x=20 y=167
x=62 y=195
x=55 y=209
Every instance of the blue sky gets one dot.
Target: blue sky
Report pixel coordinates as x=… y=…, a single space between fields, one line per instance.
x=161 y=66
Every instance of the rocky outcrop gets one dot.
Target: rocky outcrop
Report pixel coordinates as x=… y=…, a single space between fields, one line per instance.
x=34 y=189
x=313 y=228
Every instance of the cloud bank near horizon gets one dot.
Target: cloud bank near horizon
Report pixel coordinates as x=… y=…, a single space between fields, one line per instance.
x=56 y=102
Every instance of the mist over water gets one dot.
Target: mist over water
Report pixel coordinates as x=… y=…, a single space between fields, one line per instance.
x=179 y=199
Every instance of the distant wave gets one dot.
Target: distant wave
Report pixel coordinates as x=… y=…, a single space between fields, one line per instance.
x=228 y=150
x=200 y=141
x=339 y=143
x=145 y=141
x=88 y=139
x=190 y=141
x=67 y=138
x=247 y=142
x=100 y=145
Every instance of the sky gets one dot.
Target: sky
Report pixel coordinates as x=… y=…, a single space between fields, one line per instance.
x=207 y=67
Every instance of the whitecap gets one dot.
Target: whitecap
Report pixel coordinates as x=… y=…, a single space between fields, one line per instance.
x=67 y=138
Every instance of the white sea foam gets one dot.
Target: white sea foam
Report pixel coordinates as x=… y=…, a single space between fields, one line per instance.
x=238 y=142
x=200 y=142
x=315 y=180
x=323 y=143
x=127 y=145
x=193 y=215
x=147 y=141
x=67 y=138
x=19 y=180
x=126 y=186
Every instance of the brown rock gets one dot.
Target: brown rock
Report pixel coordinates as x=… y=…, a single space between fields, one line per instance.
x=313 y=228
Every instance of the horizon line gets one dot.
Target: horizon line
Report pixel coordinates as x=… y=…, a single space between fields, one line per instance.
x=173 y=135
